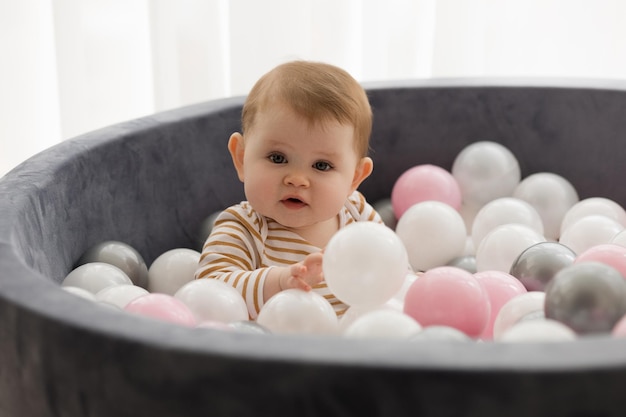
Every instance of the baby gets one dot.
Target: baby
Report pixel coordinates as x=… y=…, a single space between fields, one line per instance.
x=301 y=156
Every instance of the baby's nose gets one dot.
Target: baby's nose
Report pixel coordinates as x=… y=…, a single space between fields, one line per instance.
x=296 y=178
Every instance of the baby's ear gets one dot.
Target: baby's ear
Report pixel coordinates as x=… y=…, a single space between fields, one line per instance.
x=363 y=170
x=236 y=149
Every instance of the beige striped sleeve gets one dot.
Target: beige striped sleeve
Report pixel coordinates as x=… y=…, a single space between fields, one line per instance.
x=230 y=256
x=361 y=210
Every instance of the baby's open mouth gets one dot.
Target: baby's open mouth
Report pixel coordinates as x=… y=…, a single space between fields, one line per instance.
x=293 y=202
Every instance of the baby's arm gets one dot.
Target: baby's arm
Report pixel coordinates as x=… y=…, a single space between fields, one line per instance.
x=229 y=255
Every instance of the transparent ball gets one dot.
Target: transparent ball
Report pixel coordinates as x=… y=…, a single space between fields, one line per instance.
x=485 y=171
x=551 y=195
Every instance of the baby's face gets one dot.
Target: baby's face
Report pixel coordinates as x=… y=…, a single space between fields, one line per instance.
x=295 y=173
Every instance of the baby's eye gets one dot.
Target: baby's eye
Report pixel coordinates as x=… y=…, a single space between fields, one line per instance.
x=277 y=158
x=322 y=166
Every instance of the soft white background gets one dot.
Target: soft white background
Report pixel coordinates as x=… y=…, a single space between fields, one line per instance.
x=72 y=66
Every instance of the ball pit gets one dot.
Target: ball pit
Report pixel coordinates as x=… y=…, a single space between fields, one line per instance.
x=151 y=183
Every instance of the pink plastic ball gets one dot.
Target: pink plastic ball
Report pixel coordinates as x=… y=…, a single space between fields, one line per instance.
x=162 y=307
x=449 y=296
x=424 y=183
x=619 y=330
x=608 y=253
x=500 y=287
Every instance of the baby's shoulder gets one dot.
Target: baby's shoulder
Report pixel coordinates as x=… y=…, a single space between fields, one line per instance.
x=239 y=212
x=244 y=215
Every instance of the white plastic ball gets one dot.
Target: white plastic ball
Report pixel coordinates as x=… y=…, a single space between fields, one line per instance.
x=409 y=279
x=501 y=211
x=441 y=333
x=354 y=312
x=468 y=212
x=205 y=229
x=590 y=231
x=594 y=206
x=532 y=331
x=619 y=239
x=296 y=311
x=95 y=276
x=433 y=233
x=172 y=269
x=122 y=255
x=551 y=195
x=120 y=295
x=213 y=300
x=501 y=247
x=80 y=292
x=383 y=324
x=515 y=309
x=485 y=171
x=365 y=264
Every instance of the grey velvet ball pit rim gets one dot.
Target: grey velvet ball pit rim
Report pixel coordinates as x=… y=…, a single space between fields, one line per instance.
x=62 y=355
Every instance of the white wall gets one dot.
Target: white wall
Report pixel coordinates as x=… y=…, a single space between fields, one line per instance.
x=72 y=66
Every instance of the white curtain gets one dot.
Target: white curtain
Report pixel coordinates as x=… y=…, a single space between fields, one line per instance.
x=72 y=66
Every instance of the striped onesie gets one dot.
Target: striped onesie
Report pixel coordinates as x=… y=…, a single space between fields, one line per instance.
x=244 y=245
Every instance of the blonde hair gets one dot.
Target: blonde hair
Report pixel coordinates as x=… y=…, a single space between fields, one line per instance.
x=316 y=91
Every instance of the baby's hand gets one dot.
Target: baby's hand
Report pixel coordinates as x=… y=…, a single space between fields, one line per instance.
x=305 y=274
